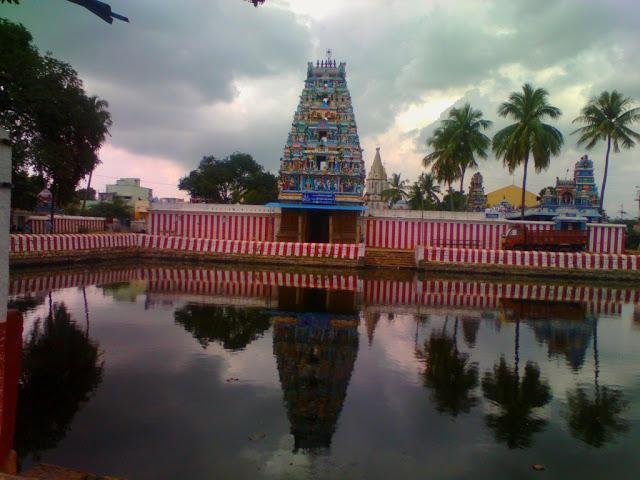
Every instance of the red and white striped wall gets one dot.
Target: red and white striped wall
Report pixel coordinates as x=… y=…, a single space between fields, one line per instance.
x=35 y=244
x=407 y=233
x=533 y=259
x=40 y=243
x=68 y=224
x=212 y=225
x=240 y=247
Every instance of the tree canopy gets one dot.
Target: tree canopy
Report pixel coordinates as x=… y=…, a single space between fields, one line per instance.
x=608 y=118
x=56 y=129
x=529 y=135
x=237 y=178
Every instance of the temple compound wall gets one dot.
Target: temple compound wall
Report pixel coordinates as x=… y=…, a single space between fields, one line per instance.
x=390 y=229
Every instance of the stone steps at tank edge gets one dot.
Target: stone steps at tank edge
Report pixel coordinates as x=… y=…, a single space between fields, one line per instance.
x=381 y=257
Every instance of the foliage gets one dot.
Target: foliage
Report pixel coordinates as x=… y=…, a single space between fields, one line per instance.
x=55 y=128
x=86 y=194
x=61 y=370
x=454 y=201
x=449 y=374
x=397 y=190
x=553 y=191
x=608 y=117
x=423 y=194
x=529 y=135
x=234 y=328
x=459 y=139
x=26 y=187
x=234 y=179
x=118 y=208
x=515 y=398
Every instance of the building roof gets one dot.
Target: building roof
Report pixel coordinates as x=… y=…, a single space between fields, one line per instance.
x=377 y=171
x=513 y=195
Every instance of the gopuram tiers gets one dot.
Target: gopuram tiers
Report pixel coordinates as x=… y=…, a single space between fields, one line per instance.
x=322 y=160
x=322 y=172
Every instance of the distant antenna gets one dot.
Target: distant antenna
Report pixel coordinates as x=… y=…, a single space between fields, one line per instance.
x=329 y=53
x=622 y=211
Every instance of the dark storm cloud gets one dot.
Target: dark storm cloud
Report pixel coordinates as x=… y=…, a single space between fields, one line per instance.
x=163 y=72
x=173 y=58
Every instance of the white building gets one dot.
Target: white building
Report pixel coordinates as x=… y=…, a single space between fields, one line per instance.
x=376 y=184
x=129 y=190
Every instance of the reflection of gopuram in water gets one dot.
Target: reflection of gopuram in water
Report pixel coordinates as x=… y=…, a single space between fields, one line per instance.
x=565 y=327
x=315 y=354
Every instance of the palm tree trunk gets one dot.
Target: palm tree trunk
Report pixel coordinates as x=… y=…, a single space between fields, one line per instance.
x=596 y=358
x=517 y=347
x=462 y=181
x=604 y=177
x=524 y=186
x=450 y=197
x=84 y=201
x=52 y=209
x=86 y=312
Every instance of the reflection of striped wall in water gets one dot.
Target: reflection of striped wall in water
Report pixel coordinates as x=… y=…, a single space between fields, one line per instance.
x=453 y=293
x=533 y=259
x=187 y=280
x=409 y=233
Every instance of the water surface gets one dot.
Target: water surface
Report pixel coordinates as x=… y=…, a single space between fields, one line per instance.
x=200 y=372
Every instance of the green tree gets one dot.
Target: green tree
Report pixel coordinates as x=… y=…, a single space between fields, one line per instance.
x=608 y=117
x=86 y=194
x=118 y=208
x=397 y=190
x=55 y=128
x=454 y=201
x=423 y=194
x=444 y=166
x=529 y=135
x=234 y=179
x=449 y=373
x=462 y=139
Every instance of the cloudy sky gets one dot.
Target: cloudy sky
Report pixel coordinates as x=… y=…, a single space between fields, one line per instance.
x=185 y=79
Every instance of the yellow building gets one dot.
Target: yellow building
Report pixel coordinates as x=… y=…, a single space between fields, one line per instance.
x=513 y=195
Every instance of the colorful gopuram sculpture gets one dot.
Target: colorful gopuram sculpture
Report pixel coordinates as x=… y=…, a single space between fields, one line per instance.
x=575 y=197
x=477 y=200
x=322 y=161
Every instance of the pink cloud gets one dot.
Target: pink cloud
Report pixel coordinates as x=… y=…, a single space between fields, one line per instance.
x=160 y=174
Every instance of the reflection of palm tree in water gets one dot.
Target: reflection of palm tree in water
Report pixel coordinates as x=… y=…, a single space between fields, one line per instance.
x=515 y=398
x=61 y=369
x=448 y=373
x=596 y=421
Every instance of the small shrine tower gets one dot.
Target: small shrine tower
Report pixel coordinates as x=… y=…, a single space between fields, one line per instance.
x=321 y=171
x=376 y=184
x=477 y=200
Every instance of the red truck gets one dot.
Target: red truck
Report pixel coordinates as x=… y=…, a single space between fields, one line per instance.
x=568 y=234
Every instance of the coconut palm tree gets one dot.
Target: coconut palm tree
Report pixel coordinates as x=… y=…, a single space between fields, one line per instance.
x=608 y=117
x=429 y=186
x=529 y=135
x=596 y=421
x=397 y=190
x=464 y=138
x=444 y=167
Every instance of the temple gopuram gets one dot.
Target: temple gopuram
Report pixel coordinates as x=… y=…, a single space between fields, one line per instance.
x=322 y=172
x=572 y=197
